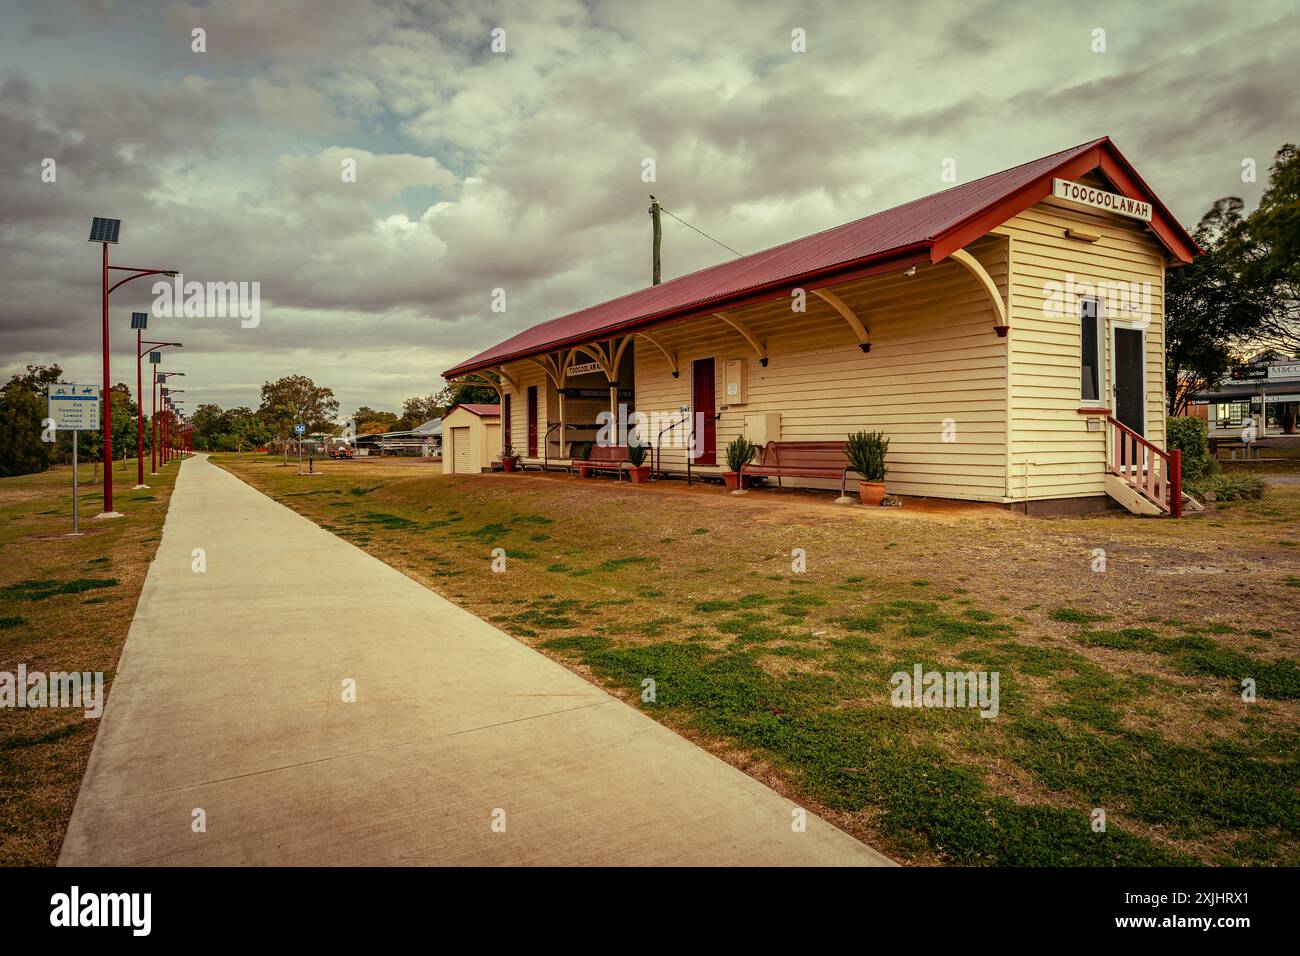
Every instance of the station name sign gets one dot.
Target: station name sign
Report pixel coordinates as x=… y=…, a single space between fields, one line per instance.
x=1101 y=199
x=624 y=394
x=584 y=369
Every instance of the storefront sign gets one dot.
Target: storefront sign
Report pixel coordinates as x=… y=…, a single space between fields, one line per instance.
x=1284 y=371
x=1101 y=199
x=584 y=369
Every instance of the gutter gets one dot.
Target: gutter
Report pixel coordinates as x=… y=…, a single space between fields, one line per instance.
x=890 y=261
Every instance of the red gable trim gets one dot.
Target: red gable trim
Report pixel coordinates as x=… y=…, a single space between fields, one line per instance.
x=1113 y=166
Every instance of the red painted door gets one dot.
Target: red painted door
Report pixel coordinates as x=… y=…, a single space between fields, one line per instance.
x=702 y=403
x=532 y=421
x=505 y=423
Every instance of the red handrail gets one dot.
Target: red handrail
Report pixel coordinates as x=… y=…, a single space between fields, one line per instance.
x=1157 y=473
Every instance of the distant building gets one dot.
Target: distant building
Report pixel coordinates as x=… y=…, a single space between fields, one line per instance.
x=423 y=440
x=1266 y=390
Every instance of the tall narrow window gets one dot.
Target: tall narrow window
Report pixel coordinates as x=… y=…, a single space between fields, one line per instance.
x=1091 y=351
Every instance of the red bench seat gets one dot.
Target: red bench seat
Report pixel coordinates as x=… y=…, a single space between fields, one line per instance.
x=802 y=459
x=601 y=458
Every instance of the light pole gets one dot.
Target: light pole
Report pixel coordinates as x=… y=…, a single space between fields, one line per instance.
x=139 y=322
x=172 y=422
x=105 y=231
x=159 y=378
x=169 y=422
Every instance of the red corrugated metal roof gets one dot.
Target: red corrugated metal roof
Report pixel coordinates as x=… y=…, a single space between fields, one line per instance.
x=476 y=408
x=913 y=227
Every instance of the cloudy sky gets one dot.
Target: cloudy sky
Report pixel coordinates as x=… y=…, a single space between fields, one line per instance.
x=522 y=169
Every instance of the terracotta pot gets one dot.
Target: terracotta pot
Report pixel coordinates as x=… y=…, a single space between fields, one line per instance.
x=731 y=479
x=584 y=471
x=508 y=464
x=640 y=474
x=871 y=492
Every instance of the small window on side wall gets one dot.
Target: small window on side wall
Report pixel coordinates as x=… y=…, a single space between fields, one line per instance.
x=1092 y=352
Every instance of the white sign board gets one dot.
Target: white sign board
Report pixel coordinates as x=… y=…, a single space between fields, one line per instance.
x=1284 y=371
x=74 y=406
x=584 y=369
x=1100 y=199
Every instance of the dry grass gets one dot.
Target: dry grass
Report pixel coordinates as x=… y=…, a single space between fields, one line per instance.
x=43 y=752
x=768 y=668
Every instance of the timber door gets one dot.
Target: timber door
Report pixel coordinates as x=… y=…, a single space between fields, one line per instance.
x=532 y=421
x=505 y=424
x=1129 y=356
x=702 y=403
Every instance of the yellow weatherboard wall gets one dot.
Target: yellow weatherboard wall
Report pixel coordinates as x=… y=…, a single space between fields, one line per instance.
x=969 y=414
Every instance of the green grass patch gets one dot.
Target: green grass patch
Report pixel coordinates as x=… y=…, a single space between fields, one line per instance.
x=40 y=590
x=1071 y=615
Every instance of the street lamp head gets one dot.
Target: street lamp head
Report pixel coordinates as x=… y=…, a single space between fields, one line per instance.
x=170 y=272
x=104 y=230
x=139 y=320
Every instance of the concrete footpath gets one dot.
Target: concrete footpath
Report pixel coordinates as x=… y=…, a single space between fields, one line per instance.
x=228 y=700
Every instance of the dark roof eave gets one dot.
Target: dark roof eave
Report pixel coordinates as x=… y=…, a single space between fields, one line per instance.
x=890 y=260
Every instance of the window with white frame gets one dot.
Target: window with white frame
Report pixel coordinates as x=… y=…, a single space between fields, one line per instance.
x=1092 y=351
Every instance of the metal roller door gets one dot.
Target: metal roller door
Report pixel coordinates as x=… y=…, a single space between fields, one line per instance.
x=460 y=460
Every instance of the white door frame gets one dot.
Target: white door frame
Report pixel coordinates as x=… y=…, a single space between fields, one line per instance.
x=1112 y=366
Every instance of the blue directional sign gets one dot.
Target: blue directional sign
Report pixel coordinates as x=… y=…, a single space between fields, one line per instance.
x=74 y=406
x=299 y=429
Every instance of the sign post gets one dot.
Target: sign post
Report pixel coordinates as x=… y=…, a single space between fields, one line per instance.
x=298 y=431
x=73 y=408
x=75 y=527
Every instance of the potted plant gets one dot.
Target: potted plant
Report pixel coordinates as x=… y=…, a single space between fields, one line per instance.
x=636 y=456
x=509 y=459
x=866 y=454
x=740 y=453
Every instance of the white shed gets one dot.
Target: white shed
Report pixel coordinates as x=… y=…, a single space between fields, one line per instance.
x=471 y=438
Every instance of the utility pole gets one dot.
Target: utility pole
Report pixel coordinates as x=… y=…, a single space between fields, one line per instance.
x=658 y=235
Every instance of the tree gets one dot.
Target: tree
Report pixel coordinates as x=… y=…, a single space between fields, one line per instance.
x=458 y=393
x=297 y=400
x=246 y=430
x=37 y=377
x=21 y=415
x=210 y=422
x=420 y=409
x=23 y=409
x=122 y=414
x=370 y=421
x=1274 y=229
x=1213 y=305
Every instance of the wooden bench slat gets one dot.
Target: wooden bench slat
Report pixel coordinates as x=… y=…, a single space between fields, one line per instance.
x=803 y=459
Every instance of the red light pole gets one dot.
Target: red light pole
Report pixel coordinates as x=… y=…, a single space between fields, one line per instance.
x=172 y=422
x=159 y=379
x=105 y=231
x=139 y=321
